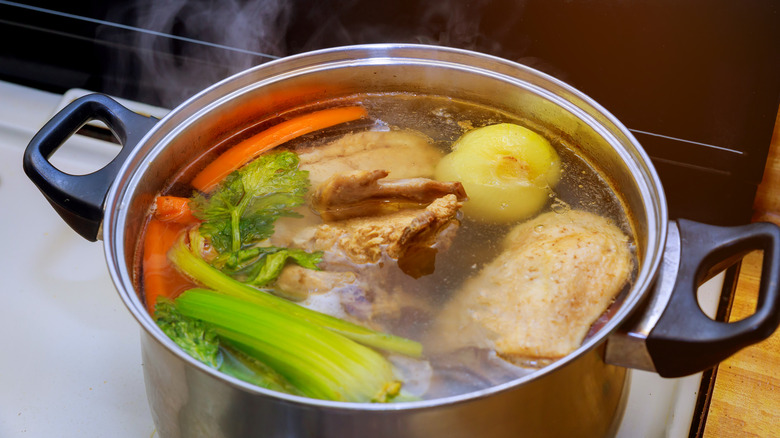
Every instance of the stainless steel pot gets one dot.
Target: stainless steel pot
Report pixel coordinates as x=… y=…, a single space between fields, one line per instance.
x=659 y=326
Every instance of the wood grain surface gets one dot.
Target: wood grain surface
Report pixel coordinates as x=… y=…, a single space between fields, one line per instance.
x=746 y=396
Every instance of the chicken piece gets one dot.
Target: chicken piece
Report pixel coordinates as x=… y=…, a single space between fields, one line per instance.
x=403 y=154
x=298 y=283
x=367 y=193
x=364 y=239
x=385 y=254
x=536 y=301
x=371 y=263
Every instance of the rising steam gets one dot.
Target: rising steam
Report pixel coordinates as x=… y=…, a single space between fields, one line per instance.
x=186 y=45
x=183 y=46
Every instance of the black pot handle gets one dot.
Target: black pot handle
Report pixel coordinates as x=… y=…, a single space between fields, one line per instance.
x=79 y=199
x=685 y=340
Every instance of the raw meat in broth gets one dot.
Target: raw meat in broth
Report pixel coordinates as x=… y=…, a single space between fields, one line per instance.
x=403 y=154
x=537 y=300
x=389 y=237
x=384 y=252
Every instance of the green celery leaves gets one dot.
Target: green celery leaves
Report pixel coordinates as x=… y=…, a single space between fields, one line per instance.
x=197 y=339
x=241 y=214
x=266 y=263
x=243 y=209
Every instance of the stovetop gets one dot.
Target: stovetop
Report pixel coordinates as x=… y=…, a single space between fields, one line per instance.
x=71 y=356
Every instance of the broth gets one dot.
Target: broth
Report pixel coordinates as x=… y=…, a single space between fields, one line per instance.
x=475 y=244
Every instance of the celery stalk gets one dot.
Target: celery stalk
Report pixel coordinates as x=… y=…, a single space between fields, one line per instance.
x=203 y=273
x=319 y=362
x=242 y=366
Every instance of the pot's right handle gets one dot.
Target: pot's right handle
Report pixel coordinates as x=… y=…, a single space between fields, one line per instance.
x=679 y=338
x=79 y=198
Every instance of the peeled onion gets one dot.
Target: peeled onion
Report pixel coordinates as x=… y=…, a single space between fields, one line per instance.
x=508 y=171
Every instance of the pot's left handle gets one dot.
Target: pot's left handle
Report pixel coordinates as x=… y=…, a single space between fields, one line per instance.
x=79 y=199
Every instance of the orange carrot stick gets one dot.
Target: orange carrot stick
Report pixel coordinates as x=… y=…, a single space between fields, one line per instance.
x=160 y=278
x=250 y=148
x=173 y=209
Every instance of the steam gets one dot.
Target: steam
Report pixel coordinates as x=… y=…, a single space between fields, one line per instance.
x=451 y=23
x=179 y=47
x=184 y=46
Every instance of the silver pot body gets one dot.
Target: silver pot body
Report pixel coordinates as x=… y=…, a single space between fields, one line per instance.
x=579 y=395
x=586 y=398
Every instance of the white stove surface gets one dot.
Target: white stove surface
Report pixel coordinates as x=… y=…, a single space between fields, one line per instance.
x=71 y=358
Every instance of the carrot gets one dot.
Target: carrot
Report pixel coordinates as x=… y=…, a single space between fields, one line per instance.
x=250 y=148
x=160 y=278
x=174 y=209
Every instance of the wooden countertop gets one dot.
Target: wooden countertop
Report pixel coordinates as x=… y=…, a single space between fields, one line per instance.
x=746 y=396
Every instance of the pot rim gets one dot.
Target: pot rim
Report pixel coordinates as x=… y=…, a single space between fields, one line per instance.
x=180 y=117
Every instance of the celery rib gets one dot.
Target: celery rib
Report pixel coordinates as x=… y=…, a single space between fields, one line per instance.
x=241 y=365
x=198 y=269
x=317 y=361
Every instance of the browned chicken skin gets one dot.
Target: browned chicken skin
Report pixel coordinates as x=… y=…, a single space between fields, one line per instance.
x=364 y=239
x=369 y=193
x=536 y=301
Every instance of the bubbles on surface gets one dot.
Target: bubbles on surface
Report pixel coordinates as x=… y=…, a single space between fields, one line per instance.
x=560 y=206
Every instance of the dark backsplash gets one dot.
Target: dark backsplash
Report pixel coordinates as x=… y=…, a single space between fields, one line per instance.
x=697 y=81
